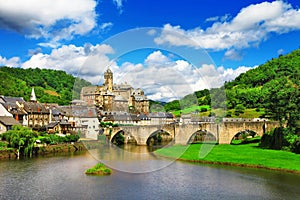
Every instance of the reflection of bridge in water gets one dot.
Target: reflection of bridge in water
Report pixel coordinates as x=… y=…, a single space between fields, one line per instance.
x=223 y=132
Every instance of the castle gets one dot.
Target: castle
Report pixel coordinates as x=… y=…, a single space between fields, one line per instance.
x=115 y=97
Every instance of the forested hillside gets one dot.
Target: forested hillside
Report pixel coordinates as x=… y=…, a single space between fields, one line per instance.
x=51 y=86
x=273 y=86
x=269 y=89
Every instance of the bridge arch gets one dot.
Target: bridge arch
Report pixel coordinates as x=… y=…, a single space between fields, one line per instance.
x=122 y=137
x=244 y=137
x=159 y=136
x=118 y=138
x=184 y=133
x=202 y=136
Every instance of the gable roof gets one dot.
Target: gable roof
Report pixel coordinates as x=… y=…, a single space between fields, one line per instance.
x=8 y=121
x=34 y=107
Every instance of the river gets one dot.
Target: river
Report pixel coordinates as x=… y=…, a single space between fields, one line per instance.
x=62 y=177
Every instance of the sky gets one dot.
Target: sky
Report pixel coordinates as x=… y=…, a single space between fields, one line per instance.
x=169 y=48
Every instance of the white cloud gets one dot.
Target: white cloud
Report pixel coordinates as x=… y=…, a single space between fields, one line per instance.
x=232 y=54
x=165 y=79
x=162 y=77
x=249 y=27
x=230 y=74
x=280 y=51
x=50 y=19
x=12 y=62
x=119 y=4
x=156 y=58
x=88 y=62
x=106 y=26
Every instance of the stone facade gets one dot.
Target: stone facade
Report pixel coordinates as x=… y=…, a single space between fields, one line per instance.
x=115 y=97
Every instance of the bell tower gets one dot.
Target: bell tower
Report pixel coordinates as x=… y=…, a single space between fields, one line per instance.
x=108 y=79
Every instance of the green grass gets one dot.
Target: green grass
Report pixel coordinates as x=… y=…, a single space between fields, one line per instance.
x=99 y=169
x=190 y=109
x=243 y=155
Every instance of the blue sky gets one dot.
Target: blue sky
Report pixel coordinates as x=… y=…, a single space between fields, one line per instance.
x=75 y=36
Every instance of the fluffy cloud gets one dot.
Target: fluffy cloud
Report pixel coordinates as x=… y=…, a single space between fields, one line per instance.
x=88 y=61
x=249 y=27
x=50 y=19
x=165 y=79
x=162 y=77
x=232 y=54
x=12 y=62
x=119 y=4
x=230 y=74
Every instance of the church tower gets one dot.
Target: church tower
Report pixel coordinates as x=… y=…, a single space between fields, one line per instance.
x=108 y=79
x=32 y=96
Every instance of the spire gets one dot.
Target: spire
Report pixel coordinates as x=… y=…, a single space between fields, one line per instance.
x=32 y=96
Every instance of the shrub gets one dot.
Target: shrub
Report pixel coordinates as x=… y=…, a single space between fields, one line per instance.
x=203 y=109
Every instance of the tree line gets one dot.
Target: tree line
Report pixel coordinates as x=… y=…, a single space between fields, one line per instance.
x=51 y=86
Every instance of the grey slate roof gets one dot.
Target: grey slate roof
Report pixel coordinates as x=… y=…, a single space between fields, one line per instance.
x=8 y=121
x=34 y=107
x=11 y=99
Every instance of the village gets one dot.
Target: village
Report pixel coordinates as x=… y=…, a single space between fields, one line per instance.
x=109 y=103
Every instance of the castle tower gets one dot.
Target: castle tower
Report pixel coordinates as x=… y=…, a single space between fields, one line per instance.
x=108 y=79
x=32 y=96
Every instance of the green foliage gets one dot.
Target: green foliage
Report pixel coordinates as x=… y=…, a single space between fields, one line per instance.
x=3 y=145
x=281 y=138
x=172 y=106
x=242 y=155
x=56 y=139
x=21 y=138
x=239 y=109
x=51 y=86
x=282 y=101
x=99 y=169
x=108 y=124
x=273 y=86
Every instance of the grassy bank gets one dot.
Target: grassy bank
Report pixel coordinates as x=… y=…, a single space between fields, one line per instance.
x=247 y=155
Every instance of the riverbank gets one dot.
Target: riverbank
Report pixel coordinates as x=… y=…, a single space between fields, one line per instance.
x=46 y=150
x=246 y=155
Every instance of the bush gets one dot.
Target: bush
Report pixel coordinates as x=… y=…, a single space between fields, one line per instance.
x=203 y=109
x=228 y=114
x=296 y=146
x=281 y=138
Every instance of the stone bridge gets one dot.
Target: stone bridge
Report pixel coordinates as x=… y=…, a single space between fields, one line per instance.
x=223 y=132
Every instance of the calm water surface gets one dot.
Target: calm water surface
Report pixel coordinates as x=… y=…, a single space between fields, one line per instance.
x=63 y=177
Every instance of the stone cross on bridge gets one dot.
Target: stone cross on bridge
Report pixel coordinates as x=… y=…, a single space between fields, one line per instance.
x=181 y=134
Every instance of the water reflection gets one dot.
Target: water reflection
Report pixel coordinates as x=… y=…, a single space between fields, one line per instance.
x=63 y=178
x=129 y=158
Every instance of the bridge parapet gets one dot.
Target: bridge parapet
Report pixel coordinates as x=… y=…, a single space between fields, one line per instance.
x=224 y=131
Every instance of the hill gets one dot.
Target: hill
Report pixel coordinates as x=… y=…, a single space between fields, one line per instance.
x=51 y=86
x=251 y=92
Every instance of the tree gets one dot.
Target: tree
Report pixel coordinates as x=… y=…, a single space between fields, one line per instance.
x=22 y=139
x=282 y=101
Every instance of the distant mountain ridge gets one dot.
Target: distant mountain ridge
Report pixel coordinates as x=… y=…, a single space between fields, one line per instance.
x=51 y=86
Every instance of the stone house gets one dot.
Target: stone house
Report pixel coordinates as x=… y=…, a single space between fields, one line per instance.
x=6 y=123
